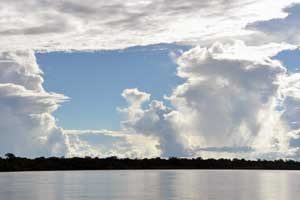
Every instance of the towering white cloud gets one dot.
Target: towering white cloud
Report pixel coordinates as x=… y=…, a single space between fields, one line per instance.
x=26 y=124
x=229 y=103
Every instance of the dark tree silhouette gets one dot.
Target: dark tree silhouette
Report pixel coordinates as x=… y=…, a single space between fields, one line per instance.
x=10 y=156
x=13 y=163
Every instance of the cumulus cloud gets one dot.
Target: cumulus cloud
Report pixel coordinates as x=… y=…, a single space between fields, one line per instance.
x=115 y=24
x=152 y=121
x=230 y=104
x=26 y=122
x=290 y=89
x=135 y=97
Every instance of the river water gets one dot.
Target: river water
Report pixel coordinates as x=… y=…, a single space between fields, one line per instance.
x=151 y=185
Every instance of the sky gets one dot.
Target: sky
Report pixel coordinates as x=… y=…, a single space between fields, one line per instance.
x=150 y=78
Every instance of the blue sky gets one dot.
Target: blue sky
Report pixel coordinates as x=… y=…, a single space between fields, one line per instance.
x=95 y=80
x=291 y=59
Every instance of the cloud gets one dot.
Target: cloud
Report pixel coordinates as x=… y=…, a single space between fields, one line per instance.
x=26 y=123
x=106 y=143
x=134 y=97
x=280 y=30
x=73 y=24
x=232 y=95
x=20 y=68
x=229 y=103
x=152 y=121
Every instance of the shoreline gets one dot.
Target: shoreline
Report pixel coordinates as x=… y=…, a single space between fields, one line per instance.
x=18 y=164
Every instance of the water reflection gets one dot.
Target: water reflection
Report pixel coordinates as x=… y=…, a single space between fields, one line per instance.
x=147 y=184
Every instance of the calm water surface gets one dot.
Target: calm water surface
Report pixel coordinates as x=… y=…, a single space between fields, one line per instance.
x=154 y=185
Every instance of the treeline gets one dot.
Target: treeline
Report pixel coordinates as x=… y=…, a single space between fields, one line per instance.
x=13 y=163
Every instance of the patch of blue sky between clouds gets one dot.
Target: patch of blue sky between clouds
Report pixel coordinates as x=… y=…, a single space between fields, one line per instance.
x=95 y=80
x=290 y=59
